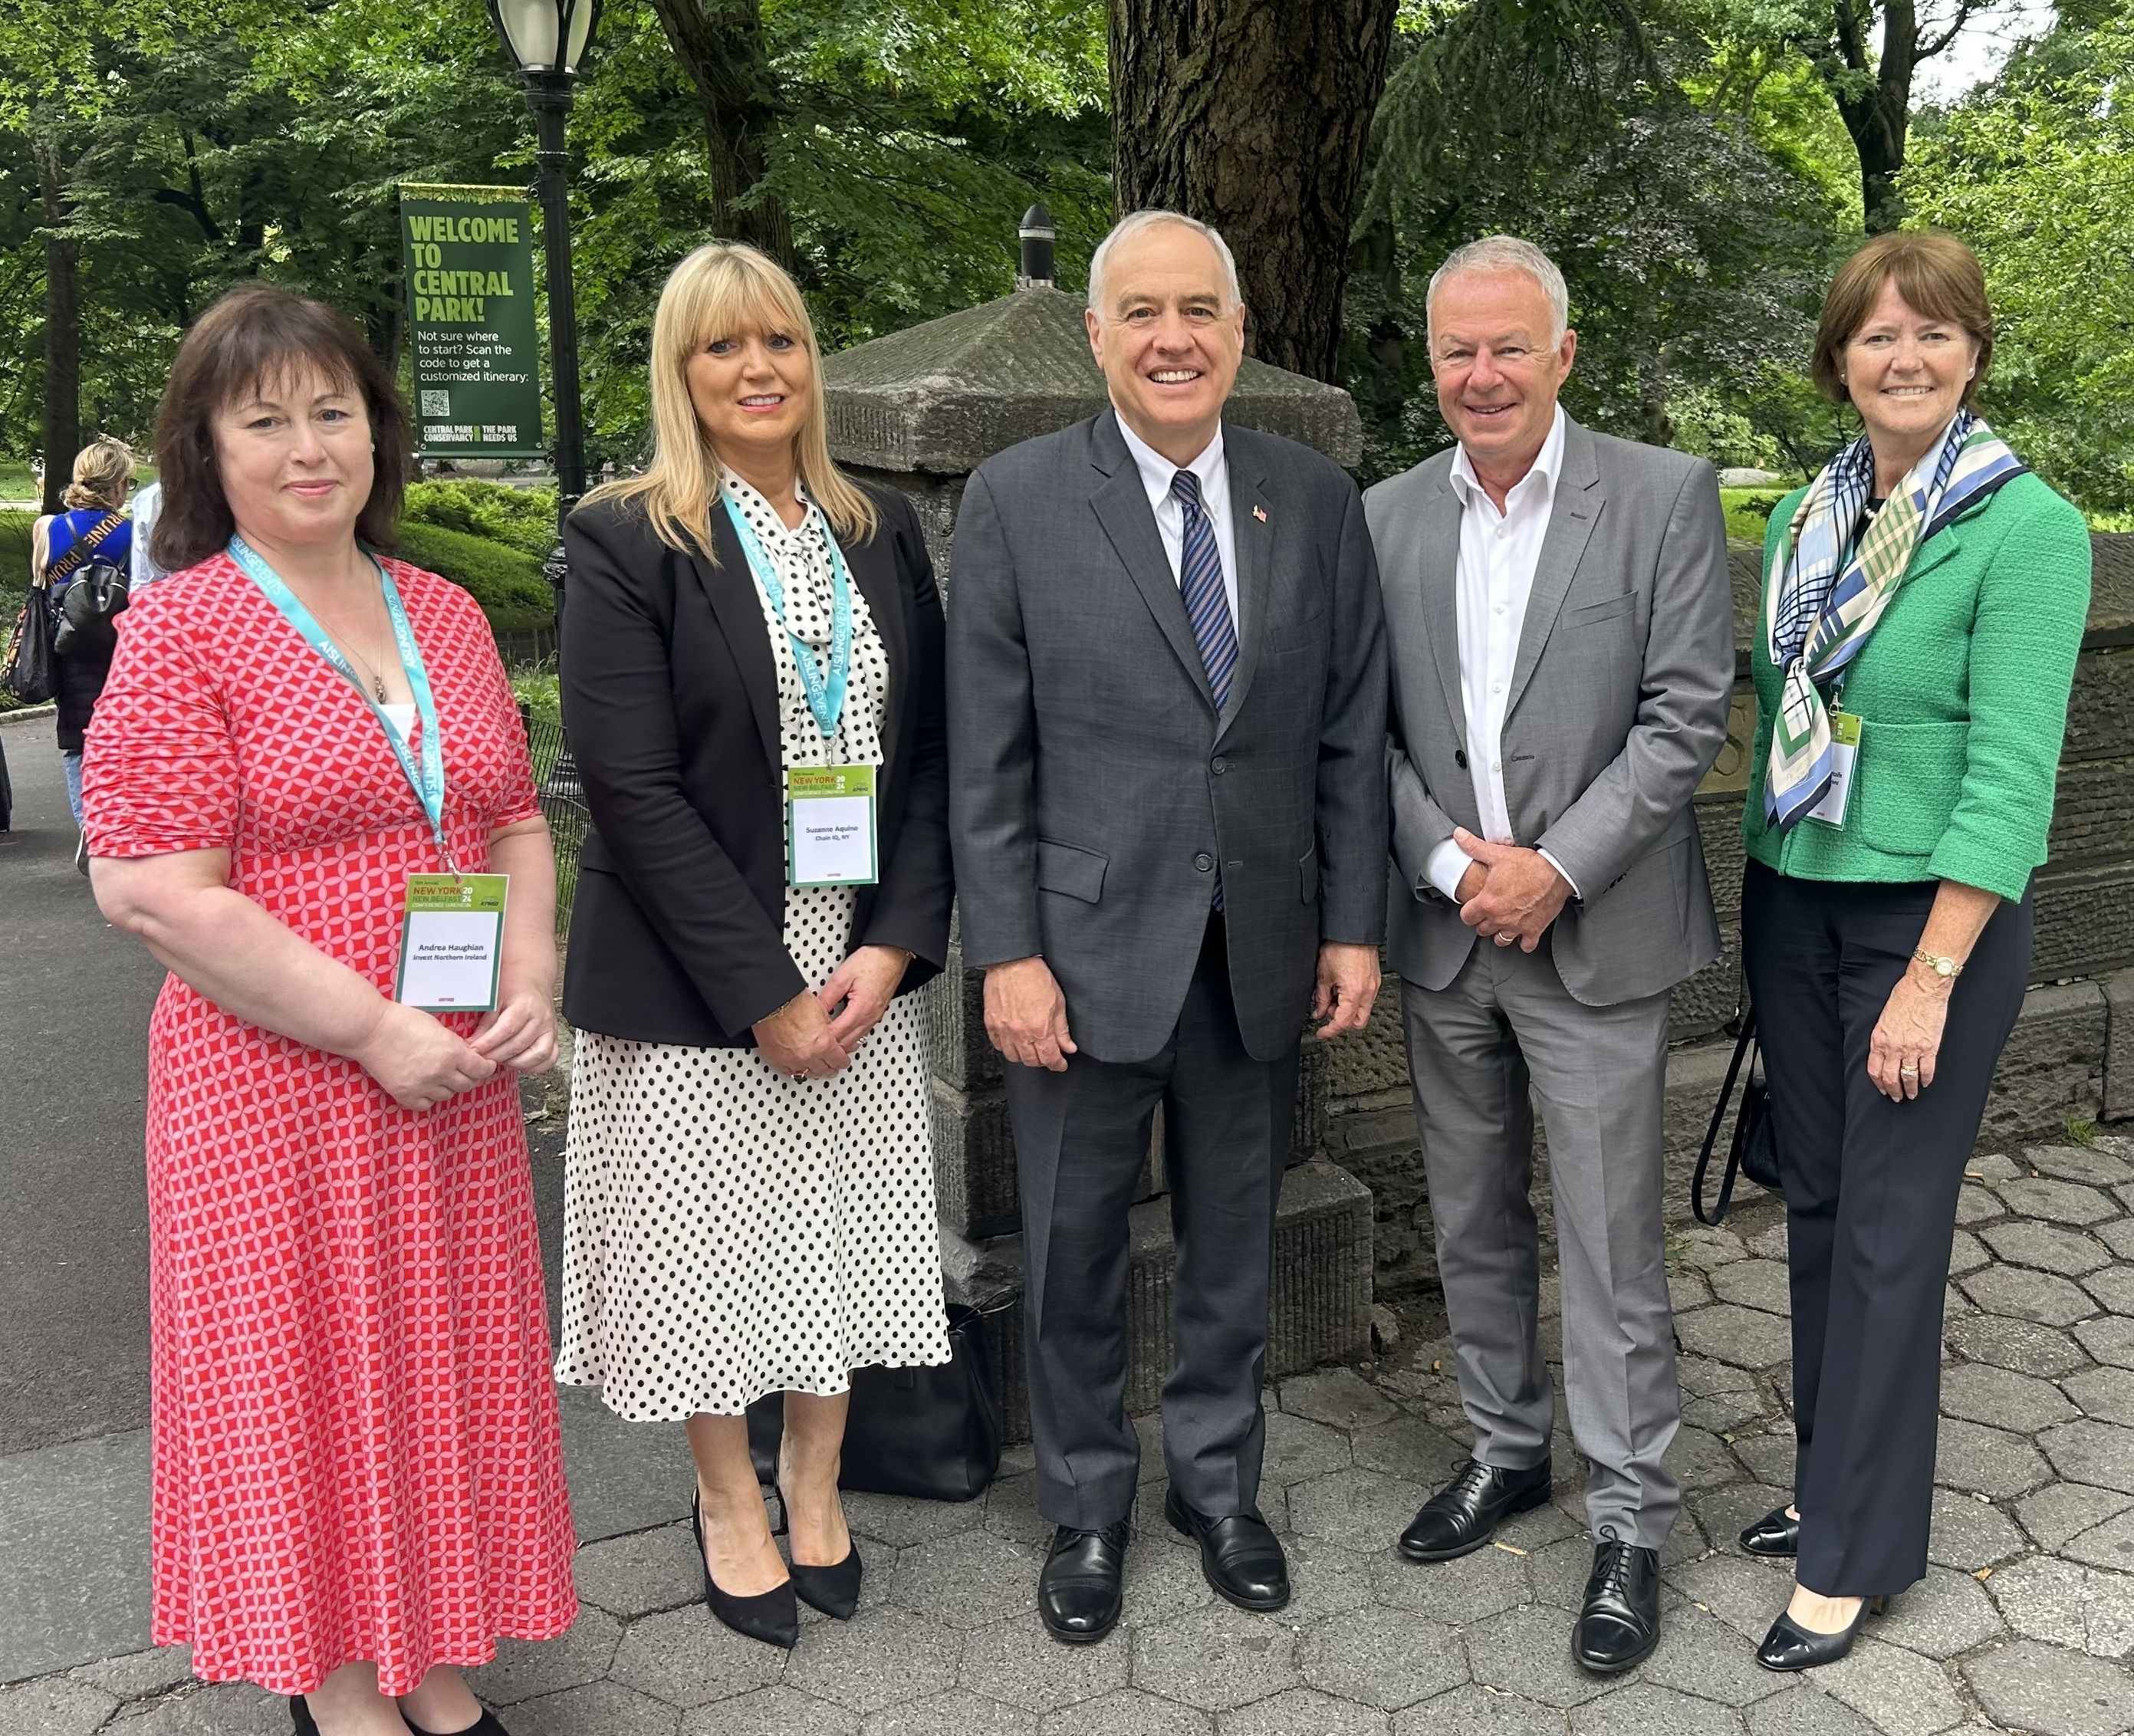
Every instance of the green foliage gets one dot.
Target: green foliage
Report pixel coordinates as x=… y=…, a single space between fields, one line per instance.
x=1749 y=510
x=521 y=519
x=536 y=689
x=507 y=584
x=2081 y=1132
x=15 y=527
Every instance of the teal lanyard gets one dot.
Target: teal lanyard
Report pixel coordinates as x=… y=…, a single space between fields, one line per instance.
x=425 y=777
x=826 y=696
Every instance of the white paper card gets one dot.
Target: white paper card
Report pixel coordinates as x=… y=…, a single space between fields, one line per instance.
x=834 y=841
x=449 y=960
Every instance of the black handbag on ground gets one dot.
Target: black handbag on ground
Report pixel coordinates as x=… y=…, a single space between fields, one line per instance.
x=934 y=1433
x=31 y=671
x=1753 y=1151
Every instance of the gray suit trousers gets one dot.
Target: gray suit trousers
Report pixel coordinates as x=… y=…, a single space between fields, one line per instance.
x=1080 y=1139
x=1506 y=1023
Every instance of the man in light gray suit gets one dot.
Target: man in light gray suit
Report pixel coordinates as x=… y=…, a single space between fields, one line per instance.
x=1167 y=718
x=1561 y=645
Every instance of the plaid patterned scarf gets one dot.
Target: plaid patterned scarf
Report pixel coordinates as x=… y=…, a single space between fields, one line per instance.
x=1820 y=607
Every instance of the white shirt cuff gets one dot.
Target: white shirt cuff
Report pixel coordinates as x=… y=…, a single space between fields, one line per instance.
x=1447 y=866
x=1562 y=870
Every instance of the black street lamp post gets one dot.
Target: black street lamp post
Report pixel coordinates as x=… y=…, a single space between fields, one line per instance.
x=546 y=40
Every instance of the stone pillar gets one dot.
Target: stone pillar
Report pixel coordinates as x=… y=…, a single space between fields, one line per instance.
x=919 y=411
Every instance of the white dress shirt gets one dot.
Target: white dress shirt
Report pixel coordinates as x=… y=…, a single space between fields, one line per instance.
x=1499 y=551
x=147 y=507
x=1213 y=470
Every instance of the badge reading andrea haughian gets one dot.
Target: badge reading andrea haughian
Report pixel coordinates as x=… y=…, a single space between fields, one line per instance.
x=451 y=941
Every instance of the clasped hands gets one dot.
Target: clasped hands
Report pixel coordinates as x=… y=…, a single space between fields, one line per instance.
x=814 y=1035
x=421 y=1061
x=1508 y=892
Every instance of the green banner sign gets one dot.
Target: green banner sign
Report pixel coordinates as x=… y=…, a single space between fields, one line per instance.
x=470 y=261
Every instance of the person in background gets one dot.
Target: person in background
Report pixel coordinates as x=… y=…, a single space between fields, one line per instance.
x=749 y=1186
x=358 y=1463
x=1924 y=600
x=94 y=528
x=147 y=508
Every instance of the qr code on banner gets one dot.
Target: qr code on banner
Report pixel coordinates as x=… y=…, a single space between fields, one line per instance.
x=436 y=403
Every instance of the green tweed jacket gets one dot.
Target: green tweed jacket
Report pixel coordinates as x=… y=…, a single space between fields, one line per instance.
x=1962 y=694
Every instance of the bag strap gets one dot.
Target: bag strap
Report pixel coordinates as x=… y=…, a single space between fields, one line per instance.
x=1743 y=1046
x=84 y=550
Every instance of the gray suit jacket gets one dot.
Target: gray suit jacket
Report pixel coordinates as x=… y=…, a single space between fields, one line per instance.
x=1617 y=710
x=1094 y=788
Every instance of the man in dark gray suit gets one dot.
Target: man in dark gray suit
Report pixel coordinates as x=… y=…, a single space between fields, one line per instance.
x=1561 y=637
x=1166 y=685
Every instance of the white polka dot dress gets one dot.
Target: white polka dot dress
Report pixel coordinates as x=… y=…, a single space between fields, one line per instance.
x=730 y=1232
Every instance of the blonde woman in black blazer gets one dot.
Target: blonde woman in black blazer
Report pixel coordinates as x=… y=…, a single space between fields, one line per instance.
x=750 y=1204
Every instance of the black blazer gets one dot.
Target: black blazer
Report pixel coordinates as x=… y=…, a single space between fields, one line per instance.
x=670 y=698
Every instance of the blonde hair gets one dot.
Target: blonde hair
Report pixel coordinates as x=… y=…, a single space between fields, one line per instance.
x=722 y=289
x=103 y=473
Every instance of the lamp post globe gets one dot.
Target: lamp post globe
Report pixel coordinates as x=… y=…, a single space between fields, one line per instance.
x=546 y=39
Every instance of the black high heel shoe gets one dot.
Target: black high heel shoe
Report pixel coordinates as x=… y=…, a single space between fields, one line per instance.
x=835 y=1589
x=771 y=1616
x=488 y=1726
x=1789 y=1646
x=1775 y=1536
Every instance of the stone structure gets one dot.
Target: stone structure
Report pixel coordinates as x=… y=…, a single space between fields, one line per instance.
x=920 y=410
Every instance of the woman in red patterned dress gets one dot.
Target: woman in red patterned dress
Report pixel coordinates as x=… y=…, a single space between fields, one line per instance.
x=358 y=1482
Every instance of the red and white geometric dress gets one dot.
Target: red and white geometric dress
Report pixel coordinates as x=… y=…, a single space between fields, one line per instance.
x=355 y=1438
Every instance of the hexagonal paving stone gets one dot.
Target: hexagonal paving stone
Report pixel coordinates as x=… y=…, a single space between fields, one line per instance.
x=1976 y=1205
x=226 y=1709
x=1298 y=1449
x=2108 y=1338
x=2060 y=1511
x=1643 y=1709
x=2048 y=1299
x=1722 y=1514
x=1217 y=1659
x=1701 y=1460
x=1010 y=1511
x=686 y=1658
x=956 y=1714
x=139 y=1673
x=2021 y=1346
x=1324 y=1579
x=2056 y=1201
x=881 y=1657
x=1988 y=1461
x=2050 y=1249
x=1130 y=1712
x=1969 y=1534
x=2118 y=1235
x=1980 y=1393
x=1472 y=1588
x=1340 y=1397
x=968 y=1580
x=606 y=1706
x=2107 y=1394
x=523 y=1669
x=1743 y=1592
x=54 y=1706
x=640 y=1572
x=1947 y=1612
x=893 y=1519
x=1018 y=1662
x=1768 y=1455
x=2029 y=1686
x=2086 y=1164
x=1687 y=1288
x=1559 y=1572
x=1303 y=1710
x=1695 y=1245
x=1992 y=1166
x=2092 y=1452
x=1896 y=1691
x=2063 y=1602
x=1966 y=1253
x=2113 y=1288
x=1806 y=1711
x=1699 y=1654
x=1383 y=1657
x=1478 y=1711
x=2108 y=1545
x=1163 y=1579
x=1704 y=1377
x=1723 y=1413
x=1760 y=1284
x=1745 y=1337
x=1526 y=1651
x=779 y=1711
x=1364 y=1510
x=1408 y=1446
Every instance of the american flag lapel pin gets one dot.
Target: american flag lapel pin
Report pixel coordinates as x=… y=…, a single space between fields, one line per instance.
x=1260 y=513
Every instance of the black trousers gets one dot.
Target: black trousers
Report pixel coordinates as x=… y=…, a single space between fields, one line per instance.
x=1870 y=1200
x=1080 y=1139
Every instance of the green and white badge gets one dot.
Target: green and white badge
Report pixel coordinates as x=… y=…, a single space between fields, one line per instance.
x=830 y=826
x=451 y=943
x=1844 y=755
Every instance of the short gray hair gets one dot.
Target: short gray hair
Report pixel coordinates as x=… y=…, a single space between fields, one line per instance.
x=1506 y=254
x=1132 y=224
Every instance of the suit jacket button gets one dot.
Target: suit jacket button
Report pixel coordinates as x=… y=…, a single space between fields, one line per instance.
x=1204 y=862
x=1219 y=767
x=1460 y=758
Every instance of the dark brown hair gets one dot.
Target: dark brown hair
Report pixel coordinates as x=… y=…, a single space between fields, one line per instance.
x=255 y=334
x=1936 y=274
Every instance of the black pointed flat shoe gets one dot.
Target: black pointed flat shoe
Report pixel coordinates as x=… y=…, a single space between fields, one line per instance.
x=300 y=1716
x=1789 y=1646
x=488 y=1726
x=772 y=1616
x=1775 y=1536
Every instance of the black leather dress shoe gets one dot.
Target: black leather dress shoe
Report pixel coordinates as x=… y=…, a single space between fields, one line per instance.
x=1776 y=1534
x=1462 y=1516
x=1240 y=1556
x=1078 y=1592
x=1620 y=1623
x=1789 y=1646
x=488 y=1726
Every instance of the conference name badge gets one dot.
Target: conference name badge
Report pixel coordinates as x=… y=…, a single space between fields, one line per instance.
x=451 y=941
x=830 y=826
x=1844 y=755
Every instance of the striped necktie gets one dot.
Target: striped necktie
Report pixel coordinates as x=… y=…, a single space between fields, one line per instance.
x=1207 y=605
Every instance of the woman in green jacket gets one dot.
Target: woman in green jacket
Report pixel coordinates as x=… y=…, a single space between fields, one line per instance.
x=1924 y=600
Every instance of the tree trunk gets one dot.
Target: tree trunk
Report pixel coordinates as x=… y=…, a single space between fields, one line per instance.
x=62 y=388
x=1874 y=98
x=1253 y=115
x=720 y=44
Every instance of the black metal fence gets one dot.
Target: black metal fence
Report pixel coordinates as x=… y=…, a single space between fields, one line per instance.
x=563 y=802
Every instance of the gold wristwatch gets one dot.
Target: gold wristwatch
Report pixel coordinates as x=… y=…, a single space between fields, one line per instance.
x=1941 y=966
